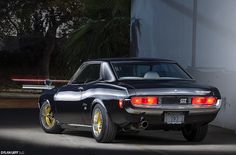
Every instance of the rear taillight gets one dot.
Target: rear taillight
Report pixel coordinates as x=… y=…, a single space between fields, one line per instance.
x=149 y=100
x=204 y=100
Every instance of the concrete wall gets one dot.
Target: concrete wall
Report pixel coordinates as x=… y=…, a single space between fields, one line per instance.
x=166 y=31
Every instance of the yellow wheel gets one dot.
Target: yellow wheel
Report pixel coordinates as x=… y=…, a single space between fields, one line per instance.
x=104 y=130
x=97 y=122
x=48 y=116
x=47 y=120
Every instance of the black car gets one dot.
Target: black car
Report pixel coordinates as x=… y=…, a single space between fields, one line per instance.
x=108 y=96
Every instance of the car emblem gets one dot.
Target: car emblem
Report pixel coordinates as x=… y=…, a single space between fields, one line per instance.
x=183 y=101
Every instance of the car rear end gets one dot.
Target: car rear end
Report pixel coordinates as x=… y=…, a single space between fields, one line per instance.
x=162 y=95
x=171 y=111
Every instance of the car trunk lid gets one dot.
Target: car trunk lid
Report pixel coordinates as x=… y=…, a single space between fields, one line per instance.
x=165 y=88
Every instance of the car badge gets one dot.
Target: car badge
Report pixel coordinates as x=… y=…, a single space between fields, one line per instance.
x=183 y=101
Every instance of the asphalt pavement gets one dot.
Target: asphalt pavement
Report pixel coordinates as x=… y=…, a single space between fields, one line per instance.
x=20 y=132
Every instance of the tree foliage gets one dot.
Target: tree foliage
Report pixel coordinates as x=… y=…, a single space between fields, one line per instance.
x=90 y=29
x=38 y=17
x=47 y=20
x=105 y=33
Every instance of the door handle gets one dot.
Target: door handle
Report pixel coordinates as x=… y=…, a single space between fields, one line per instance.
x=80 y=88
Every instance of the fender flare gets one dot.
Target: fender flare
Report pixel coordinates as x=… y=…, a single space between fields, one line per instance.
x=41 y=102
x=98 y=101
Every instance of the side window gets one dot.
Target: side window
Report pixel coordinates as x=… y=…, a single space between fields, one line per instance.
x=90 y=73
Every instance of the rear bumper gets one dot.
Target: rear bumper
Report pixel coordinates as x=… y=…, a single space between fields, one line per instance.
x=155 y=115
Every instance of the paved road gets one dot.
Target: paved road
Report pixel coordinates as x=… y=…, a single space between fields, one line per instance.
x=20 y=131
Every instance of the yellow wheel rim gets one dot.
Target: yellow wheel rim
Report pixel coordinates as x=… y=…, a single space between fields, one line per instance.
x=97 y=122
x=48 y=117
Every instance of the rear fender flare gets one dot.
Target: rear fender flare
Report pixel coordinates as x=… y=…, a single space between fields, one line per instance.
x=98 y=101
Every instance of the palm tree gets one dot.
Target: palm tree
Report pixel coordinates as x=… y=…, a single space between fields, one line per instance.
x=104 y=34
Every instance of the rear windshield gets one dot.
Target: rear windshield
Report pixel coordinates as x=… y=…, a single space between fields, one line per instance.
x=148 y=70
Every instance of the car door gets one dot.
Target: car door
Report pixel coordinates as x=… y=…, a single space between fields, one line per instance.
x=69 y=102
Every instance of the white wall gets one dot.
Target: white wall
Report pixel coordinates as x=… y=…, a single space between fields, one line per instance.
x=166 y=32
x=216 y=34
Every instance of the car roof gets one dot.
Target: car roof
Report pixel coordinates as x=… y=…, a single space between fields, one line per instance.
x=125 y=59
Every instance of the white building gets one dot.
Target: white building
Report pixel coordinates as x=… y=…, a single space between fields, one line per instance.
x=200 y=35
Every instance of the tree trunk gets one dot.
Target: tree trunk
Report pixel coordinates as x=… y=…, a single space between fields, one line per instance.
x=48 y=50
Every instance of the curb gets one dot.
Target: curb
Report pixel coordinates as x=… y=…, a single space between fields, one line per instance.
x=20 y=93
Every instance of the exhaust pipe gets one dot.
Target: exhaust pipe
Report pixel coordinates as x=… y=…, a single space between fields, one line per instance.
x=143 y=124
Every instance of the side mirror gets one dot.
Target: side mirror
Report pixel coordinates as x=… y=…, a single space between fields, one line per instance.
x=48 y=82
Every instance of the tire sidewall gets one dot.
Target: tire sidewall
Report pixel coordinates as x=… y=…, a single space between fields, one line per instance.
x=55 y=128
x=195 y=133
x=104 y=121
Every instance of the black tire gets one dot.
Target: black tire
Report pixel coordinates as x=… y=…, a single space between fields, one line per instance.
x=54 y=127
x=108 y=129
x=195 y=133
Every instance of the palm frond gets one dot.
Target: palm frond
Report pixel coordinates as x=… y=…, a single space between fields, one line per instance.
x=107 y=36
